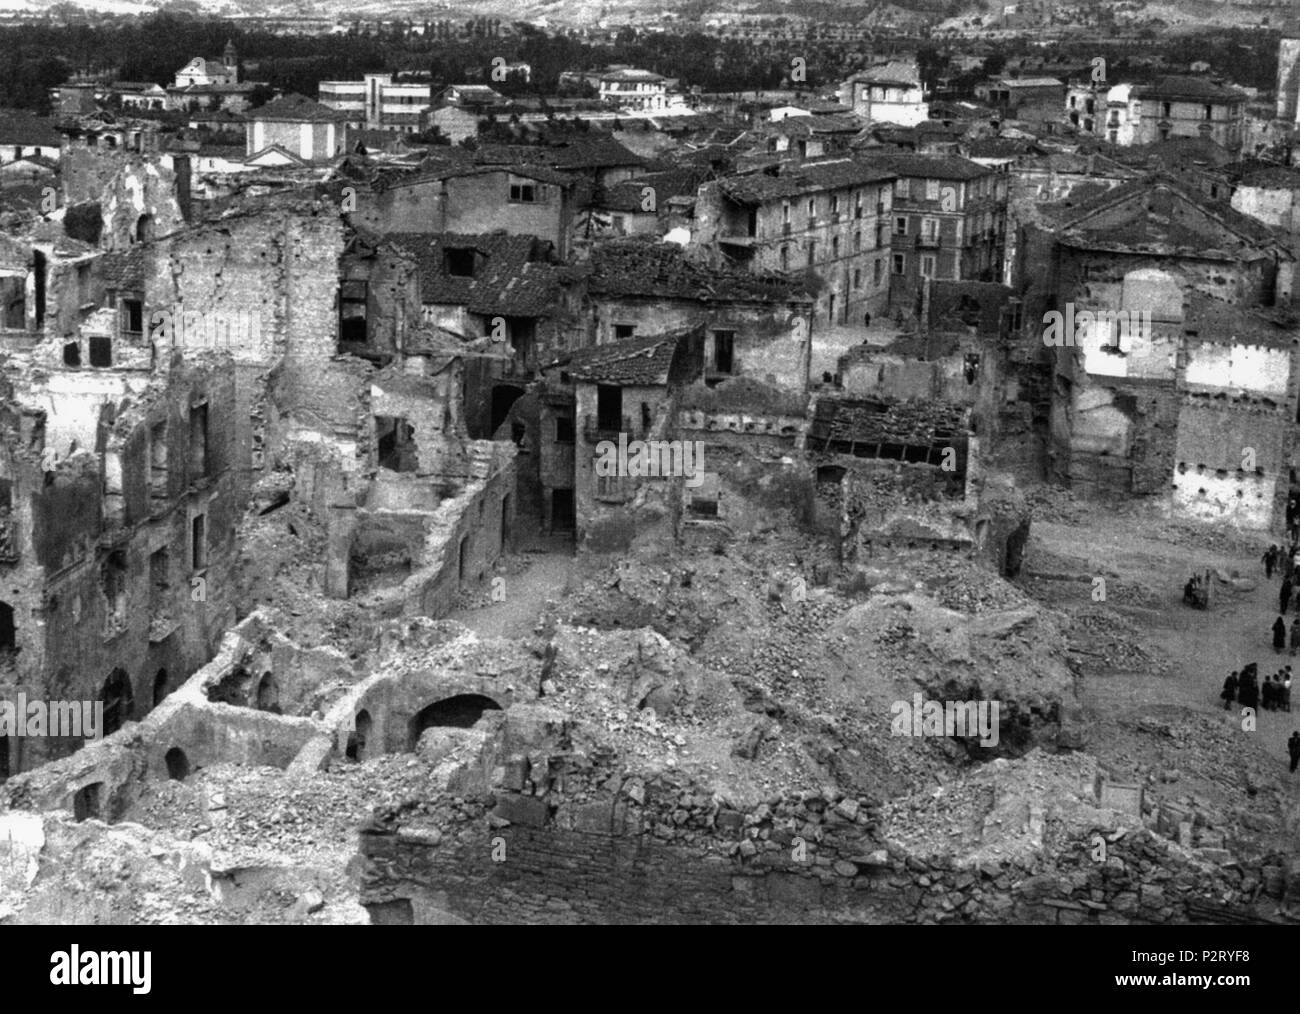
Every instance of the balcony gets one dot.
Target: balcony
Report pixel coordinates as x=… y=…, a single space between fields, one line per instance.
x=785 y=228
x=835 y=218
x=743 y=239
x=928 y=242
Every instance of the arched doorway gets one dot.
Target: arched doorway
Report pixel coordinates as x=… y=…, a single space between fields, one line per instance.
x=459 y=712
x=143 y=229
x=118 y=701
x=360 y=736
x=159 y=687
x=268 y=694
x=178 y=765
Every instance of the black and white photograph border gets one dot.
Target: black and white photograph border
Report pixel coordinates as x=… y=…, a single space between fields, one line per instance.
x=722 y=464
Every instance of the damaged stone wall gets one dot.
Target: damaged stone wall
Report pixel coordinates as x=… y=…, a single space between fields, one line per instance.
x=660 y=849
x=772 y=342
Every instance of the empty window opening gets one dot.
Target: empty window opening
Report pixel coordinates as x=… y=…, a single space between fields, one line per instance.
x=724 y=351
x=609 y=407
x=8 y=633
x=523 y=191
x=39 y=273
x=159 y=687
x=353 y=304
x=622 y=331
x=118 y=701
x=460 y=712
x=85 y=802
x=395 y=444
x=198 y=457
x=178 y=765
x=159 y=567
x=143 y=229
x=113 y=583
x=132 y=318
x=460 y=263
x=158 y=460
x=101 y=350
x=702 y=507
x=72 y=354
x=199 y=542
x=564 y=429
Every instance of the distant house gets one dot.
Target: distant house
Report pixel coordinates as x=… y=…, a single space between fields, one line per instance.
x=139 y=94
x=302 y=127
x=209 y=72
x=633 y=89
x=22 y=134
x=890 y=93
x=378 y=103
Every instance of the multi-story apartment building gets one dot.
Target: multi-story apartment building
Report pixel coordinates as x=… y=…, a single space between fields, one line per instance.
x=829 y=218
x=1172 y=106
x=377 y=102
x=947 y=221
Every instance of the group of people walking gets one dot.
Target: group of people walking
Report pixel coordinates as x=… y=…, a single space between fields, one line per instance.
x=1276 y=690
x=1274 y=694
x=1288 y=565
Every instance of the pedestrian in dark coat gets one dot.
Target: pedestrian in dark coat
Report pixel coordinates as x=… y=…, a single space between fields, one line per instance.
x=1270 y=561
x=1284 y=595
x=1266 y=692
x=1293 y=748
x=1279 y=634
x=1229 y=692
x=1247 y=688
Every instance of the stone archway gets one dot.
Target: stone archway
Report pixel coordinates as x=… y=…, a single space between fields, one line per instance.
x=178 y=765
x=461 y=711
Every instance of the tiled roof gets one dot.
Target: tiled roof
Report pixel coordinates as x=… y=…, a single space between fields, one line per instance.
x=1214 y=320
x=1273 y=178
x=593 y=153
x=1148 y=231
x=870 y=422
x=640 y=267
x=509 y=277
x=1199 y=89
x=295 y=108
x=640 y=361
x=17 y=126
x=1030 y=82
x=123 y=270
x=1000 y=147
x=804 y=178
x=898 y=72
x=943 y=167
